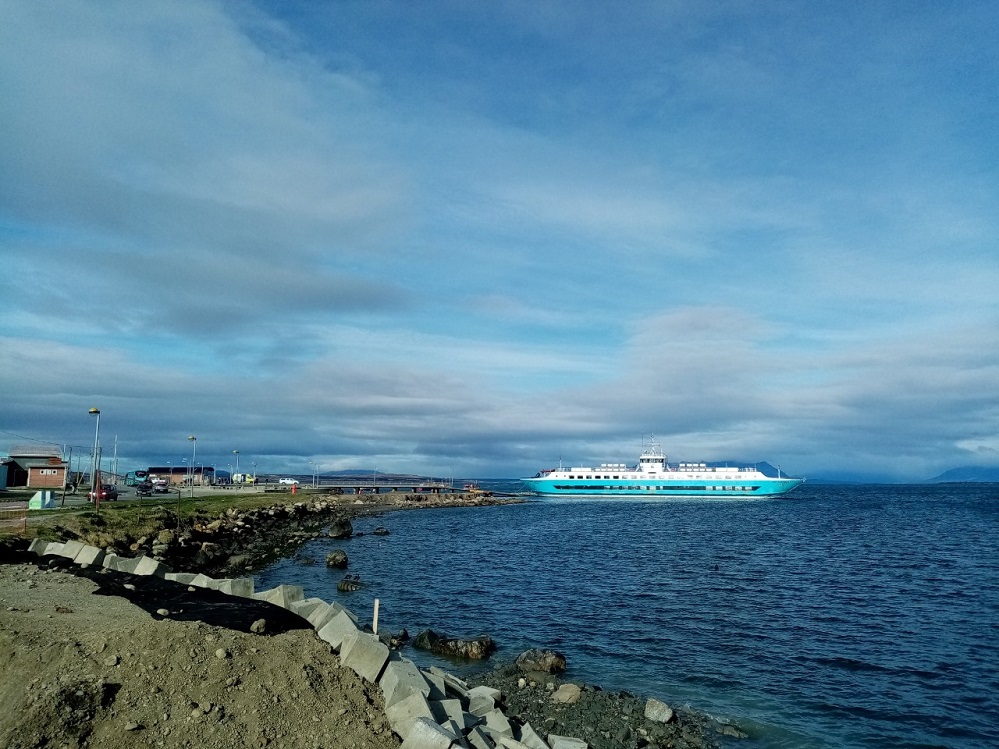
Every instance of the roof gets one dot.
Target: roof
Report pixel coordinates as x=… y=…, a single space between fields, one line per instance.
x=27 y=463
x=35 y=451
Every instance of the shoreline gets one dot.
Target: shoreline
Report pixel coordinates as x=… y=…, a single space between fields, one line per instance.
x=249 y=540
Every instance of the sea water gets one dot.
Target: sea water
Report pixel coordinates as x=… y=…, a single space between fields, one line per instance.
x=836 y=616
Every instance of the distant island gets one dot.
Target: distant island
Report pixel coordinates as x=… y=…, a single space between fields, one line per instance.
x=967 y=473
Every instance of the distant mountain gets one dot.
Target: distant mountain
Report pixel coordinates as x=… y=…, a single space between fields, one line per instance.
x=762 y=466
x=967 y=473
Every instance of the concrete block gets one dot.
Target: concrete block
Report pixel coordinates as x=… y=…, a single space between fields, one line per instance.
x=400 y=679
x=566 y=742
x=240 y=586
x=405 y=712
x=531 y=738
x=124 y=564
x=320 y=615
x=509 y=743
x=479 y=739
x=497 y=723
x=52 y=548
x=323 y=615
x=139 y=566
x=425 y=734
x=202 y=581
x=306 y=606
x=438 y=689
x=38 y=546
x=455 y=730
x=482 y=699
x=181 y=578
x=148 y=566
x=90 y=555
x=337 y=629
x=454 y=686
x=282 y=595
x=70 y=549
x=445 y=710
x=365 y=654
x=110 y=561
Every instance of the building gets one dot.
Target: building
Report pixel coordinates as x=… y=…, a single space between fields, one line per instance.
x=34 y=467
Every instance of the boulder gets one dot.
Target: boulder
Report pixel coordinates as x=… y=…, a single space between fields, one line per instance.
x=337 y=559
x=658 y=711
x=478 y=648
x=567 y=694
x=341 y=528
x=543 y=661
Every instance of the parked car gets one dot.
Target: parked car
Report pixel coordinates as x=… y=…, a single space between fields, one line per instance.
x=160 y=487
x=107 y=492
x=288 y=481
x=144 y=489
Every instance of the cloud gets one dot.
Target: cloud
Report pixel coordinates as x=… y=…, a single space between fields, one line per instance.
x=374 y=233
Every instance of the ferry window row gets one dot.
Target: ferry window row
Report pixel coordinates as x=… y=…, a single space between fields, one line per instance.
x=670 y=489
x=633 y=477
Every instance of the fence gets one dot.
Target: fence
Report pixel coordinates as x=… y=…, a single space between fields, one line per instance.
x=13 y=518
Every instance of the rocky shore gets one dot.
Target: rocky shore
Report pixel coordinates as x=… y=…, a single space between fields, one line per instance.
x=261 y=702
x=237 y=541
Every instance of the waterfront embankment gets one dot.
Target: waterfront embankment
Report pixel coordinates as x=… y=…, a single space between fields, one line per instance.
x=112 y=666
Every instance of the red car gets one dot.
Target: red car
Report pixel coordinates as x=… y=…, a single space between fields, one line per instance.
x=108 y=492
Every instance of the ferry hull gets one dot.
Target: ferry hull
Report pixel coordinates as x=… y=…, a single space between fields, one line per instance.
x=705 y=489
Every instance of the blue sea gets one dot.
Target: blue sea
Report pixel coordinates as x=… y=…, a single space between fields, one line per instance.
x=836 y=616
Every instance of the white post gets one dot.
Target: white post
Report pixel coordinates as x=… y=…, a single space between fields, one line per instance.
x=374 y=619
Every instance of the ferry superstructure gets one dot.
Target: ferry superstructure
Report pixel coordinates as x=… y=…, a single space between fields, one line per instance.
x=653 y=476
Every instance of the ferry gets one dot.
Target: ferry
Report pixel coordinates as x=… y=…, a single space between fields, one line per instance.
x=654 y=476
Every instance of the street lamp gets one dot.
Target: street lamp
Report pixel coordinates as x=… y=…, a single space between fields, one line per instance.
x=93 y=475
x=236 y=453
x=194 y=453
x=254 y=474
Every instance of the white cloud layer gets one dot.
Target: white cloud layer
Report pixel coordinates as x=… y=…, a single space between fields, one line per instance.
x=472 y=238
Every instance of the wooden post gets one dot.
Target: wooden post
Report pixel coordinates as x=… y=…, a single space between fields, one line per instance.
x=374 y=620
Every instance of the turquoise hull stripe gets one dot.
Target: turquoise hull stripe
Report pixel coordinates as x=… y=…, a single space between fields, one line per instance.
x=633 y=487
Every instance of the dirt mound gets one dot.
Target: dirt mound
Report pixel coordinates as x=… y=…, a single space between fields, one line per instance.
x=82 y=665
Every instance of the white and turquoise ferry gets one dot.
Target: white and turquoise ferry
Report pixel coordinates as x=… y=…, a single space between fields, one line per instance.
x=654 y=476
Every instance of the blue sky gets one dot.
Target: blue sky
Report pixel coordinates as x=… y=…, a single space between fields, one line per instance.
x=475 y=238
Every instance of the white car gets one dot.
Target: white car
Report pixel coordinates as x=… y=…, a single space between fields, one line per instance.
x=288 y=481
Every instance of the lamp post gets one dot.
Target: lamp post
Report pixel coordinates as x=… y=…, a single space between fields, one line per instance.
x=194 y=453
x=236 y=453
x=94 y=478
x=254 y=474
